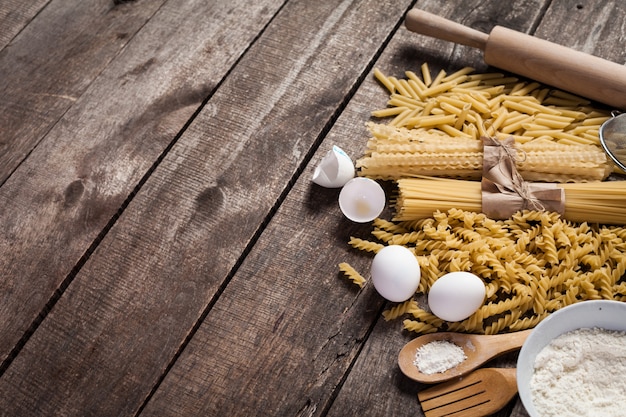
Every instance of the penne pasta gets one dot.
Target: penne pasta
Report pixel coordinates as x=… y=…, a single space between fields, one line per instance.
x=464 y=104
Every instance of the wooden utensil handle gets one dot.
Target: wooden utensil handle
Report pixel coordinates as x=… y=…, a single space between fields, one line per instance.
x=428 y=24
x=506 y=342
x=565 y=68
x=553 y=64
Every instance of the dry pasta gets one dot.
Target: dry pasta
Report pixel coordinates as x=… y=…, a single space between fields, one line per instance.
x=533 y=263
x=397 y=152
x=528 y=271
x=492 y=97
x=400 y=310
x=352 y=274
x=594 y=202
x=462 y=105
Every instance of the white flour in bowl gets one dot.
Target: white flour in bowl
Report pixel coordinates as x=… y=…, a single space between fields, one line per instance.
x=581 y=373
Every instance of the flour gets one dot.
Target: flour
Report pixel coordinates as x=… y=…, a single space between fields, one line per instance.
x=581 y=373
x=438 y=356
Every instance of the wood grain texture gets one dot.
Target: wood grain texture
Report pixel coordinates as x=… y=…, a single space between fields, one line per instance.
x=174 y=247
x=58 y=56
x=375 y=385
x=281 y=311
x=15 y=15
x=161 y=242
x=593 y=27
x=58 y=202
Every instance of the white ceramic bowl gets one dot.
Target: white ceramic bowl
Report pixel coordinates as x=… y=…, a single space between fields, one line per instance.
x=606 y=314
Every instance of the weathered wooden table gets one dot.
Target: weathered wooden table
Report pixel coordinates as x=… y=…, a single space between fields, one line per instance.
x=163 y=251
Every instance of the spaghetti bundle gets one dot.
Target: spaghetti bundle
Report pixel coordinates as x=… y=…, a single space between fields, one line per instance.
x=593 y=202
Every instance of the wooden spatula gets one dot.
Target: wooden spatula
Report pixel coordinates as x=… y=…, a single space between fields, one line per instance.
x=478 y=394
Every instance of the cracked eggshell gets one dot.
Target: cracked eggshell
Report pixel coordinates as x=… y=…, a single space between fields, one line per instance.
x=334 y=170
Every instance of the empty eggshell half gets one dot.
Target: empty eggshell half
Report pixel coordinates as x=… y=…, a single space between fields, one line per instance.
x=456 y=296
x=362 y=199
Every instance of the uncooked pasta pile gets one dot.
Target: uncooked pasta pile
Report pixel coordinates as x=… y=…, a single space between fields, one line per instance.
x=436 y=125
x=532 y=264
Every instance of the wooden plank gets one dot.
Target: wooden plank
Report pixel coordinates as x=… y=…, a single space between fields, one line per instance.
x=281 y=336
x=15 y=15
x=111 y=336
x=386 y=391
x=595 y=27
x=72 y=185
x=375 y=385
x=58 y=55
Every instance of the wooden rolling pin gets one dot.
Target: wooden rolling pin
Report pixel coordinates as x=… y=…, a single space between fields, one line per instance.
x=556 y=65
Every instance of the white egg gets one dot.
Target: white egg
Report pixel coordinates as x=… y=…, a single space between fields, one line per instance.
x=456 y=296
x=395 y=273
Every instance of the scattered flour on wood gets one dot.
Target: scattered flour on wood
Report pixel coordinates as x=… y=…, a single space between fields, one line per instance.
x=581 y=373
x=438 y=356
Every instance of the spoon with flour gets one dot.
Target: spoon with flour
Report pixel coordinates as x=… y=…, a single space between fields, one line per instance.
x=446 y=355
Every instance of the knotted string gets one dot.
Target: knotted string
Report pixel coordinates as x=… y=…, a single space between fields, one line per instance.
x=504 y=191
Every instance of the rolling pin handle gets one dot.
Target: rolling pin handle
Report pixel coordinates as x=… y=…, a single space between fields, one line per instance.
x=428 y=24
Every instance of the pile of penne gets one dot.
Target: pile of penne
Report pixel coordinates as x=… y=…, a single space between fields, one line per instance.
x=437 y=124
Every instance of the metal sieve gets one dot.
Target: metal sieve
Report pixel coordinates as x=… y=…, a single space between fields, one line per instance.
x=613 y=138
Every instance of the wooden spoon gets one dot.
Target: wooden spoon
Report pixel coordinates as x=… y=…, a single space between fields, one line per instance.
x=478 y=350
x=480 y=393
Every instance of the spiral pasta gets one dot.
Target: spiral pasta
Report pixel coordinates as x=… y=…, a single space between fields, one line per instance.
x=532 y=264
x=352 y=274
x=400 y=309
